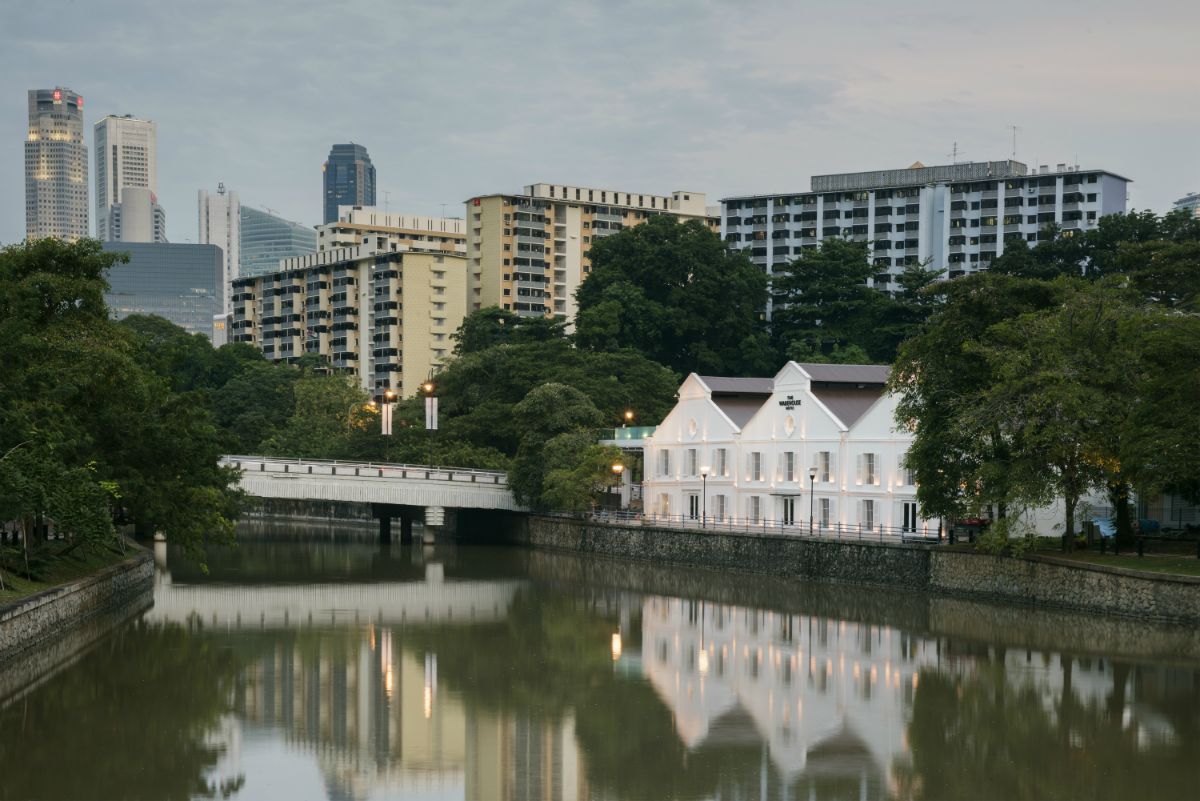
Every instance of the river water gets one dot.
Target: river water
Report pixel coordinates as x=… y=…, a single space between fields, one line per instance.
x=312 y=663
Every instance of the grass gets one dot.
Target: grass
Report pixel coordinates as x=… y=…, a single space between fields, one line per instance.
x=1155 y=561
x=62 y=571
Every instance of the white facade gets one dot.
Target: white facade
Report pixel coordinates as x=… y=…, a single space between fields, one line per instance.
x=958 y=215
x=126 y=156
x=137 y=218
x=56 y=166
x=761 y=438
x=220 y=224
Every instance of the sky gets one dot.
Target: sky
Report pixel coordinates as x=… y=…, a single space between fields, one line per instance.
x=457 y=99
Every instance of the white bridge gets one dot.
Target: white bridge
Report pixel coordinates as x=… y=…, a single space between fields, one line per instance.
x=394 y=490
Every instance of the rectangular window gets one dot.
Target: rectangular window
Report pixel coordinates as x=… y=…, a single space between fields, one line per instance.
x=823 y=465
x=756 y=466
x=720 y=468
x=910 y=516
x=789 y=466
x=869 y=464
x=867 y=519
x=718 y=509
x=823 y=505
x=664 y=463
x=754 y=508
x=691 y=462
x=664 y=505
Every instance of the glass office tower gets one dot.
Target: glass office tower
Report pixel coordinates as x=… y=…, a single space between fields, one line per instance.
x=265 y=239
x=184 y=283
x=349 y=179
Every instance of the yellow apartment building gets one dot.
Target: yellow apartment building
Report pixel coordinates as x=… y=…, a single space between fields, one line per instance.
x=376 y=309
x=529 y=252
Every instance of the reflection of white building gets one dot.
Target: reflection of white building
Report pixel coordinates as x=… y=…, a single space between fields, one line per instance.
x=826 y=697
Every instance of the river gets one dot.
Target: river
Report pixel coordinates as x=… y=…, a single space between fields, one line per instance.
x=312 y=663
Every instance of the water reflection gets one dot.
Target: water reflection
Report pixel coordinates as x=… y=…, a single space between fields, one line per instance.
x=336 y=669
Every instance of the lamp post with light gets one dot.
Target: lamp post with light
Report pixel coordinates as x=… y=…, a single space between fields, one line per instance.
x=428 y=387
x=704 y=471
x=618 y=468
x=354 y=406
x=387 y=450
x=812 y=472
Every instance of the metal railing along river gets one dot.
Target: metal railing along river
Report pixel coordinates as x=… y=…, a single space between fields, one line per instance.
x=800 y=528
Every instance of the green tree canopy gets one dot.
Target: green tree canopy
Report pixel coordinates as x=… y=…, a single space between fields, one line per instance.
x=493 y=326
x=674 y=293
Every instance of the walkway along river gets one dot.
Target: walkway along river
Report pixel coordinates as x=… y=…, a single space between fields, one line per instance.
x=312 y=662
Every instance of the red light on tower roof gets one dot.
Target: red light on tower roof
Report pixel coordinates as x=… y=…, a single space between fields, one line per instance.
x=79 y=100
x=57 y=95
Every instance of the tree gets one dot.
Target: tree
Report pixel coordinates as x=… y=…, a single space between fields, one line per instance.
x=674 y=293
x=189 y=361
x=493 y=326
x=939 y=371
x=577 y=468
x=543 y=414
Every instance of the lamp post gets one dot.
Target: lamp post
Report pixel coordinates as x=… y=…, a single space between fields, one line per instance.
x=704 y=471
x=428 y=387
x=354 y=406
x=628 y=414
x=812 y=472
x=618 y=468
x=387 y=451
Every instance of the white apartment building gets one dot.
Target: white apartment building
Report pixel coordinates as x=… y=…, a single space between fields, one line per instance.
x=56 y=166
x=358 y=224
x=220 y=224
x=960 y=216
x=760 y=439
x=126 y=156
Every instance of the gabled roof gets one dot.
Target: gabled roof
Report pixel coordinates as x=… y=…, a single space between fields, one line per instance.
x=848 y=405
x=848 y=373
x=739 y=410
x=719 y=385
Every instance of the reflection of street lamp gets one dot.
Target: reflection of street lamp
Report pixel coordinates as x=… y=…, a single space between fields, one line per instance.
x=616 y=645
x=704 y=471
x=812 y=471
x=354 y=406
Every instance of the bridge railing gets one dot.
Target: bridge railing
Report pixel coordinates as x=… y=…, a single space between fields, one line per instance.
x=923 y=533
x=334 y=467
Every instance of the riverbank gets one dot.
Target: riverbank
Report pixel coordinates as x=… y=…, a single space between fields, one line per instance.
x=33 y=619
x=1034 y=580
x=77 y=566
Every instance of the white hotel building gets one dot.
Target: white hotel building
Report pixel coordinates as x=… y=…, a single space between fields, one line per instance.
x=760 y=439
x=958 y=215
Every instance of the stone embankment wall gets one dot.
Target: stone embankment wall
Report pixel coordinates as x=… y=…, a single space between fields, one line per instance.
x=1033 y=580
x=30 y=621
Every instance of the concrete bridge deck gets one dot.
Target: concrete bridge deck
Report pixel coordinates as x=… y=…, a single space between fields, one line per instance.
x=402 y=491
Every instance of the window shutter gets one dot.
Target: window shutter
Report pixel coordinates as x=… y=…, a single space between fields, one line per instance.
x=779 y=465
x=878 y=468
x=725 y=462
x=858 y=460
x=749 y=464
x=833 y=467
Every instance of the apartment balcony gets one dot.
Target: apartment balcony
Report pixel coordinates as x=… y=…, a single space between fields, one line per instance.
x=988 y=229
x=1013 y=192
x=1012 y=227
x=988 y=193
x=533 y=240
x=956 y=248
x=861 y=204
x=612 y=217
x=1071 y=206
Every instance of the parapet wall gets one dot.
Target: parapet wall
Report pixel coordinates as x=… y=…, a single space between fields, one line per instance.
x=1032 y=580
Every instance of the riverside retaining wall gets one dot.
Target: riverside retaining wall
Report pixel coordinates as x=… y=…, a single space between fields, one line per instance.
x=33 y=620
x=1033 y=580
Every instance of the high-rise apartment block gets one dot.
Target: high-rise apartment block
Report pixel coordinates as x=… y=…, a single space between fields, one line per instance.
x=220 y=222
x=266 y=238
x=959 y=216
x=56 y=166
x=375 y=309
x=529 y=252
x=126 y=156
x=348 y=179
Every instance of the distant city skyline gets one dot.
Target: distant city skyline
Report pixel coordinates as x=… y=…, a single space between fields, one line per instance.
x=696 y=94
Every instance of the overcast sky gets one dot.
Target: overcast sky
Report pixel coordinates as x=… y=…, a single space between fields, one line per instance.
x=458 y=99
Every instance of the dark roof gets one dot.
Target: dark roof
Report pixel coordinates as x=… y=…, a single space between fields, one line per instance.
x=849 y=373
x=738 y=386
x=848 y=404
x=739 y=410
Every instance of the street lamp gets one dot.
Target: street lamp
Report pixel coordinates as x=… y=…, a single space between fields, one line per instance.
x=387 y=452
x=812 y=472
x=704 y=471
x=354 y=406
x=428 y=387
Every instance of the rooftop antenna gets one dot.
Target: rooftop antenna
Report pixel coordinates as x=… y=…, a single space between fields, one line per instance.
x=220 y=187
x=1014 y=129
x=954 y=154
x=443 y=211
x=386 y=199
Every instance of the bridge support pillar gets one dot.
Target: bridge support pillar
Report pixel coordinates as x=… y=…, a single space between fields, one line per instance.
x=385 y=529
x=406 y=531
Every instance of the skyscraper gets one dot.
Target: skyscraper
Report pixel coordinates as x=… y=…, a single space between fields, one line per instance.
x=126 y=156
x=220 y=224
x=349 y=179
x=56 y=166
x=265 y=239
